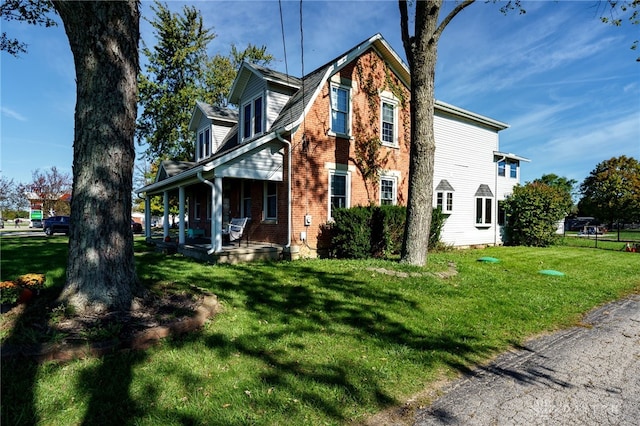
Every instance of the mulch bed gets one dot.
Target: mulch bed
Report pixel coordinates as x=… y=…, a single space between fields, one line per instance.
x=149 y=321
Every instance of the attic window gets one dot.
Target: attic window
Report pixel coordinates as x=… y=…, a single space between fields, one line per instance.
x=340 y=110
x=204 y=144
x=252 y=118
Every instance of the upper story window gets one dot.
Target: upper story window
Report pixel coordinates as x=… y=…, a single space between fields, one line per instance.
x=340 y=110
x=389 y=123
x=252 y=118
x=339 y=183
x=513 y=169
x=444 y=196
x=203 y=149
x=511 y=164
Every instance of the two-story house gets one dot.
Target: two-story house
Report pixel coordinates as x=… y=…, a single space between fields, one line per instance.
x=297 y=148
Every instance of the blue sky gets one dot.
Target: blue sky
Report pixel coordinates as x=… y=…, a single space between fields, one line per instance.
x=568 y=85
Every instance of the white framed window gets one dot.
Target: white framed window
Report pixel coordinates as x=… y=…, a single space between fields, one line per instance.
x=444 y=196
x=388 y=190
x=339 y=190
x=203 y=150
x=484 y=206
x=502 y=168
x=340 y=110
x=246 y=199
x=270 y=207
x=252 y=118
x=389 y=122
x=513 y=169
x=444 y=201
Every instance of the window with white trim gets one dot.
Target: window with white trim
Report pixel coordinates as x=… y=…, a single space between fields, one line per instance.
x=388 y=191
x=513 y=169
x=444 y=196
x=444 y=201
x=252 y=118
x=389 y=122
x=270 y=201
x=246 y=199
x=339 y=184
x=483 y=211
x=340 y=110
x=484 y=206
x=203 y=149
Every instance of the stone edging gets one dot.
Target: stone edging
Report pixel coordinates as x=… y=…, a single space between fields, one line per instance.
x=64 y=352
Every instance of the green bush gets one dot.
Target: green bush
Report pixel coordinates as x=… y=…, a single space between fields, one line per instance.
x=351 y=233
x=375 y=231
x=532 y=211
x=435 y=230
x=387 y=230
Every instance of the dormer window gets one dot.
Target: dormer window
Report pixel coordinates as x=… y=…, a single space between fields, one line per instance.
x=252 y=118
x=204 y=144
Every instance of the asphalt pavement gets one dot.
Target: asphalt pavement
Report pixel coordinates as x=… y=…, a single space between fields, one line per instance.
x=586 y=375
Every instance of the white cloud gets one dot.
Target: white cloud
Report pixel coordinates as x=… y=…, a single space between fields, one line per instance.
x=7 y=112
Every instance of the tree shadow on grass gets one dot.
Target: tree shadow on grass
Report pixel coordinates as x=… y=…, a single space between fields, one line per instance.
x=342 y=307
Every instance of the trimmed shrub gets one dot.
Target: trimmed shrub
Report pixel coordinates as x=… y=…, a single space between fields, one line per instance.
x=351 y=233
x=375 y=231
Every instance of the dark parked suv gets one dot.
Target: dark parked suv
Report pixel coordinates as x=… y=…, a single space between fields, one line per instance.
x=56 y=225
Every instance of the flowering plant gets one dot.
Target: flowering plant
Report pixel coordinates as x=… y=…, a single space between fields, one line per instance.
x=31 y=281
x=9 y=292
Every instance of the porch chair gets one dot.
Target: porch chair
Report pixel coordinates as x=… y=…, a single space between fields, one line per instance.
x=235 y=229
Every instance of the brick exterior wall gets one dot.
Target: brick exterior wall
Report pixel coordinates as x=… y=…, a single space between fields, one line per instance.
x=315 y=151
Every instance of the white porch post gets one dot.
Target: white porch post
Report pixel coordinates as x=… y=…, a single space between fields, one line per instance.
x=181 y=200
x=165 y=222
x=147 y=216
x=216 y=217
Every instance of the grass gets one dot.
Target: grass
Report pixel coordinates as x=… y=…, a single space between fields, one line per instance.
x=309 y=342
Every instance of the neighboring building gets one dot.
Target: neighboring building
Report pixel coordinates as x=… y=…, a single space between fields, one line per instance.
x=339 y=137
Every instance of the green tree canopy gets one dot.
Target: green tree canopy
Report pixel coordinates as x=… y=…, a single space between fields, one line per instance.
x=567 y=186
x=611 y=192
x=172 y=82
x=34 y=12
x=180 y=72
x=533 y=211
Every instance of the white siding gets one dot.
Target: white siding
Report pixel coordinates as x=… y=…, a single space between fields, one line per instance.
x=255 y=87
x=275 y=103
x=219 y=133
x=265 y=163
x=464 y=157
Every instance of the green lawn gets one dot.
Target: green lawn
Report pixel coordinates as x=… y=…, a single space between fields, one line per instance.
x=309 y=342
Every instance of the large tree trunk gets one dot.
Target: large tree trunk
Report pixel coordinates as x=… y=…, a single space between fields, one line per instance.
x=104 y=38
x=421 y=52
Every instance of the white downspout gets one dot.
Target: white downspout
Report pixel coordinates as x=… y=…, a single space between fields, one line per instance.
x=288 y=144
x=497 y=228
x=214 y=229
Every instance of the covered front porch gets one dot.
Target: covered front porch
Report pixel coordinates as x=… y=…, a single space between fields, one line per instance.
x=246 y=251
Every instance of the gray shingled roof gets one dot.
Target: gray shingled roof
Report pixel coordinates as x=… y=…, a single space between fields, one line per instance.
x=444 y=185
x=172 y=168
x=213 y=111
x=483 y=191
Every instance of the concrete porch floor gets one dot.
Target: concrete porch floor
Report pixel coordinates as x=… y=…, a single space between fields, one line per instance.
x=197 y=248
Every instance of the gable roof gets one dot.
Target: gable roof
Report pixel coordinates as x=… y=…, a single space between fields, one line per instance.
x=169 y=168
x=294 y=110
x=247 y=70
x=212 y=112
